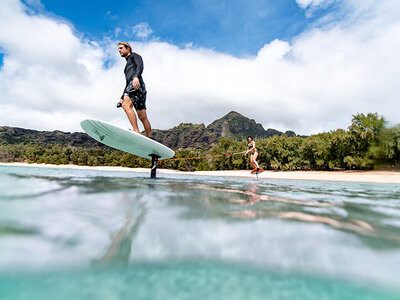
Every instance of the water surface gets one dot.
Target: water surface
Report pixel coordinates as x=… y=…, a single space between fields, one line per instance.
x=84 y=234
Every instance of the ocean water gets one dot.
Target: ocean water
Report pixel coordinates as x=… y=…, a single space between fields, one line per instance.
x=84 y=234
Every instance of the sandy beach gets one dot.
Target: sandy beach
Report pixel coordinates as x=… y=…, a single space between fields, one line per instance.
x=350 y=176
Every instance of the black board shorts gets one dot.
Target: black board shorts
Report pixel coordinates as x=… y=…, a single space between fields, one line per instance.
x=138 y=97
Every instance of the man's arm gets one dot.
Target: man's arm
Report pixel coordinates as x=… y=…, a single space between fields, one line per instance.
x=139 y=65
x=139 y=70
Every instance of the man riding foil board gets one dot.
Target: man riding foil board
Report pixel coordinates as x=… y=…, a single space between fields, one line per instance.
x=134 y=94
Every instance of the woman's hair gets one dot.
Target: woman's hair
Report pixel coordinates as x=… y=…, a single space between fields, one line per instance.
x=250 y=137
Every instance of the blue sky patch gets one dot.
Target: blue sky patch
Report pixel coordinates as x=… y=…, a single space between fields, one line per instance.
x=234 y=27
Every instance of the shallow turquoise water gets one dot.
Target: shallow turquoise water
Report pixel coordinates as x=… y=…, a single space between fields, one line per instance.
x=78 y=234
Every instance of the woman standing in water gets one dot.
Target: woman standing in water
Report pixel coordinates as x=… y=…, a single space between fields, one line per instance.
x=251 y=147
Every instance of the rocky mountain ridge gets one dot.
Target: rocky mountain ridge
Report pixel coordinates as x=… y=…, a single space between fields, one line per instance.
x=186 y=135
x=233 y=126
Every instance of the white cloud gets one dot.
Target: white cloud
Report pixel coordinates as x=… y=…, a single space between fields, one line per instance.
x=314 y=3
x=142 y=30
x=110 y=16
x=51 y=79
x=35 y=4
x=117 y=31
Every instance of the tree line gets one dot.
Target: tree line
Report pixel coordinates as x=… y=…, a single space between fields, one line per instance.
x=366 y=144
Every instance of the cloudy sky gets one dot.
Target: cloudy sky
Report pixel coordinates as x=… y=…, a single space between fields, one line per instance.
x=302 y=65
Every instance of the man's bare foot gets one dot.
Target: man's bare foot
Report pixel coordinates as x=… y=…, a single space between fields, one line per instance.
x=133 y=130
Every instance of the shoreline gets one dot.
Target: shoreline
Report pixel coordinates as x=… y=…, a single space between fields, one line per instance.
x=347 y=176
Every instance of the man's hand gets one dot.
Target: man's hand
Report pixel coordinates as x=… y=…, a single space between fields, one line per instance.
x=136 y=83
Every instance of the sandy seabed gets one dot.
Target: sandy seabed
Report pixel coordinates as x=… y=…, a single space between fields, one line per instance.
x=352 y=176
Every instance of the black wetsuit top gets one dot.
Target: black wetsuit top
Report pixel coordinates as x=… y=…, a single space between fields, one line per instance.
x=134 y=68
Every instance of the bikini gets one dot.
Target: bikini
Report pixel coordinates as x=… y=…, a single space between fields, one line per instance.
x=251 y=146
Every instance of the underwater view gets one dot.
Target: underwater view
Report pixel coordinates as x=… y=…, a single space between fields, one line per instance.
x=86 y=234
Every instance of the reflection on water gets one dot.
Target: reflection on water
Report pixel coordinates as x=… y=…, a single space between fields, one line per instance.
x=253 y=198
x=121 y=243
x=112 y=226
